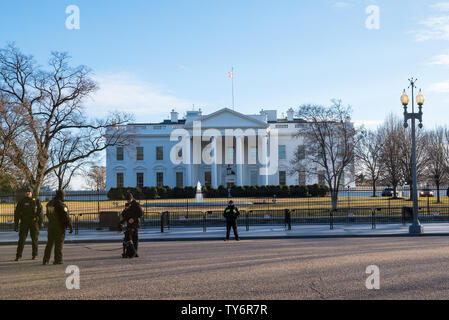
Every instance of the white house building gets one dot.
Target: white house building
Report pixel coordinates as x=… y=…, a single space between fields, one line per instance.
x=222 y=148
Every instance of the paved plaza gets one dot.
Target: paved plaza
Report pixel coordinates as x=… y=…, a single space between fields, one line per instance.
x=254 y=232
x=293 y=269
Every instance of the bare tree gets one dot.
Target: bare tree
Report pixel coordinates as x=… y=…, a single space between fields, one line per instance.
x=361 y=180
x=298 y=162
x=66 y=147
x=45 y=104
x=438 y=158
x=368 y=156
x=10 y=129
x=330 y=138
x=96 y=178
x=391 y=135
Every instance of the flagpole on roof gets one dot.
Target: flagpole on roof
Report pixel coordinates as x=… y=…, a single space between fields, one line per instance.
x=231 y=75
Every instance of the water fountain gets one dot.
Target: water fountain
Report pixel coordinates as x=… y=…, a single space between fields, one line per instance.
x=199 y=198
x=199 y=201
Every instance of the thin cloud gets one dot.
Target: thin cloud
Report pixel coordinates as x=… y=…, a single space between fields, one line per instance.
x=435 y=28
x=441 y=59
x=341 y=4
x=441 y=6
x=125 y=92
x=370 y=124
x=440 y=87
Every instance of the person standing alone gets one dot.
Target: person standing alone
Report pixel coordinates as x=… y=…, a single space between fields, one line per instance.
x=231 y=215
x=131 y=218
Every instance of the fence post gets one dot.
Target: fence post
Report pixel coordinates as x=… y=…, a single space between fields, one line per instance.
x=164 y=218
x=373 y=220
x=247 y=221
x=403 y=216
x=204 y=222
x=98 y=201
x=332 y=220
x=77 y=227
x=288 y=219
x=162 y=222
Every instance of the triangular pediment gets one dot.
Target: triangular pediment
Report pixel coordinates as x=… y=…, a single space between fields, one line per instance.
x=227 y=118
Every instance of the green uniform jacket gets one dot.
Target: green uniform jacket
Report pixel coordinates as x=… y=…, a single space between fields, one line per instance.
x=58 y=215
x=28 y=210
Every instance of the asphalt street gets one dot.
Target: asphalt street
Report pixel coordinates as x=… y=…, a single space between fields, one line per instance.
x=290 y=269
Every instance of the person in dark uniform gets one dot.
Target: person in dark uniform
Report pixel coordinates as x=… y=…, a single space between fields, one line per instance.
x=231 y=215
x=131 y=220
x=28 y=215
x=58 y=221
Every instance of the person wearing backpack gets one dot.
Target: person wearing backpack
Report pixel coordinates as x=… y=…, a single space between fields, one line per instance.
x=58 y=221
x=131 y=219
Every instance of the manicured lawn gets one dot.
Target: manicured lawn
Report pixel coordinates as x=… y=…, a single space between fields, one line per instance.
x=89 y=209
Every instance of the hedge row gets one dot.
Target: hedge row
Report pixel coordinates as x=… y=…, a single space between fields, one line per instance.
x=150 y=193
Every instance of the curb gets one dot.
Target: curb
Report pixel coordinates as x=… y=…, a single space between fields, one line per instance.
x=214 y=238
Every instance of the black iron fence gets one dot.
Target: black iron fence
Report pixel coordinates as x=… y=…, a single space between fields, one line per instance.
x=355 y=206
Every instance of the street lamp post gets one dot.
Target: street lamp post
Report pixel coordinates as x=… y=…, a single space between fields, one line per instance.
x=416 y=227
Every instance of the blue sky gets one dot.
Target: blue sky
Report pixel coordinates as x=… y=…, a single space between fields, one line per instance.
x=151 y=56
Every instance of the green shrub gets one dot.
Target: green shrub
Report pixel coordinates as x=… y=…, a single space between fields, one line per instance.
x=150 y=193
x=116 y=194
x=166 y=192
x=299 y=191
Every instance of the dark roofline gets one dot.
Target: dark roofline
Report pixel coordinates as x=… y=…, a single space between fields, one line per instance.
x=166 y=122
x=286 y=121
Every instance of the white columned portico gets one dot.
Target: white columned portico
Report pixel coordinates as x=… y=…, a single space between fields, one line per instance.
x=239 y=160
x=214 y=163
x=188 y=158
x=264 y=151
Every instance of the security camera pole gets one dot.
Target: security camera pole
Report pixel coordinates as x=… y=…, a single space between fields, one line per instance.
x=416 y=227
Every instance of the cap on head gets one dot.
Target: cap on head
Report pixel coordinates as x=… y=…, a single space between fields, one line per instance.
x=28 y=189
x=129 y=196
x=231 y=202
x=60 y=195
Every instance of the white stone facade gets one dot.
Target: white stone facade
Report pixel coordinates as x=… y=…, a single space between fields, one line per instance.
x=153 y=159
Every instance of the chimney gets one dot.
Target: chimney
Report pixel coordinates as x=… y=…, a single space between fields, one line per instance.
x=290 y=114
x=264 y=115
x=271 y=115
x=174 y=116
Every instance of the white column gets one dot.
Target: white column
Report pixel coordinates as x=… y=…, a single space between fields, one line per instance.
x=189 y=162
x=239 y=160
x=264 y=151
x=214 y=164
